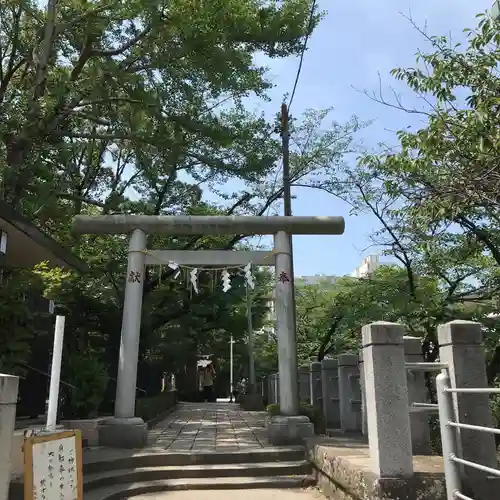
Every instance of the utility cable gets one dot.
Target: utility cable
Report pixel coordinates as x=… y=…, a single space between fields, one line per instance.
x=304 y=47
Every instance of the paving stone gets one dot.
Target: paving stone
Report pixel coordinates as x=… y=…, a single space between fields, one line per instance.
x=211 y=427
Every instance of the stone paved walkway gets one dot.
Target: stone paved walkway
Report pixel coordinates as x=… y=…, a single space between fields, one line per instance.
x=210 y=427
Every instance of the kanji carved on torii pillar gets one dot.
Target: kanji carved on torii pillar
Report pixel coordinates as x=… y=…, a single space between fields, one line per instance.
x=126 y=430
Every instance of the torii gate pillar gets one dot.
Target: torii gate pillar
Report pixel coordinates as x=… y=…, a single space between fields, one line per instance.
x=127 y=431
x=131 y=326
x=285 y=326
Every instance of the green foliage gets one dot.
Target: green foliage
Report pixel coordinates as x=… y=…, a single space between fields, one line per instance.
x=330 y=315
x=88 y=376
x=18 y=322
x=495 y=404
x=150 y=407
x=136 y=107
x=53 y=279
x=314 y=414
x=435 y=199
x=435 y=435
x=273 y=410
x=139 y=83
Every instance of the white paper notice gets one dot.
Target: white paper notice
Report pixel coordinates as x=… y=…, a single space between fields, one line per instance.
x=54 y=470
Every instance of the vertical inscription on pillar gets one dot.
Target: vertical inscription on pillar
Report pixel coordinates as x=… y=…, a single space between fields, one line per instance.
x=283 y=277
x=134 y=277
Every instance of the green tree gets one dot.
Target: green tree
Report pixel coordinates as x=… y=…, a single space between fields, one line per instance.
x=433 y=195
x=18 y=321
x=97 y=98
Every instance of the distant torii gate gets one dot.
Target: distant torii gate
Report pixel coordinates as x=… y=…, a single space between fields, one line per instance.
x=219 y=258
x=126 y=430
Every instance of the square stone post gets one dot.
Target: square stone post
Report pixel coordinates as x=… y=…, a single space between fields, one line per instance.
x=417 y=393
x=315 y=388
x=387 y=400
x=364 y=423
x=8 y=401
x=304 y=384
x=273 y=389
x=460 y=345
x=330 y=389
x=349 y=393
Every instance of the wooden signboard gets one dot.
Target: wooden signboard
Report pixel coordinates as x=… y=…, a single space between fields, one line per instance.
x=53 y=466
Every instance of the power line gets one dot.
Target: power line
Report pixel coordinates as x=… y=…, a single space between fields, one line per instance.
x=311 y=17
x=273 y=190
x=304 y=47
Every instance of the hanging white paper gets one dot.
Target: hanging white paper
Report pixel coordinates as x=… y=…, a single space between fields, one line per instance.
x=194 y=279
x=248 y=276
x=226 y=280
x=175 y=267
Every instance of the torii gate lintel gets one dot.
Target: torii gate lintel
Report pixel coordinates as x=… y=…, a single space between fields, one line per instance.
x=207 y=224
x=202 y=258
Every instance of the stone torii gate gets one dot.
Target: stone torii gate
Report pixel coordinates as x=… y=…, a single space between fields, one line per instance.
x=218 y=258
x=125 y=430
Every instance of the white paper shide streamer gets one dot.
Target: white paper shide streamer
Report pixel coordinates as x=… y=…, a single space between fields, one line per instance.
x=194 y=279
x=175 y=267
x=226 y=280
x=226 y=276
x=248 y=276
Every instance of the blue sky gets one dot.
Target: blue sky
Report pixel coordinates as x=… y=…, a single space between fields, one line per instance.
x=357 y=40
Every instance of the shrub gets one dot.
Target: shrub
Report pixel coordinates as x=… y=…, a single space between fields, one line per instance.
x=191 y=397
x=314 y=414
x=149 y=408
x=495 y=408
x=89 y=376
x=435 y=434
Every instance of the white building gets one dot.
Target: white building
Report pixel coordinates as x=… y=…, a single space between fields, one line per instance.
x=367 y=267
x=317 y=279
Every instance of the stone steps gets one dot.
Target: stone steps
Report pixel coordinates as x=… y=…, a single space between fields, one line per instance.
x=125 y=477
x=105 y=462
x=129 y=490
x=142 y=474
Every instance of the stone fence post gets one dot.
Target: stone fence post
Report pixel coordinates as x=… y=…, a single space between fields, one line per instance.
x=264 y=389
x=8 y=401
x=330 y=389
x=460 y=346
x=387 y=400
x=273 y=388
x=364 y=424
x=349 y=393
x=304 y=384
x=315 y=389
x=417 y=393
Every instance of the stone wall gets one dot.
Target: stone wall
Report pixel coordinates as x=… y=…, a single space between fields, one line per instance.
x=342 y=468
